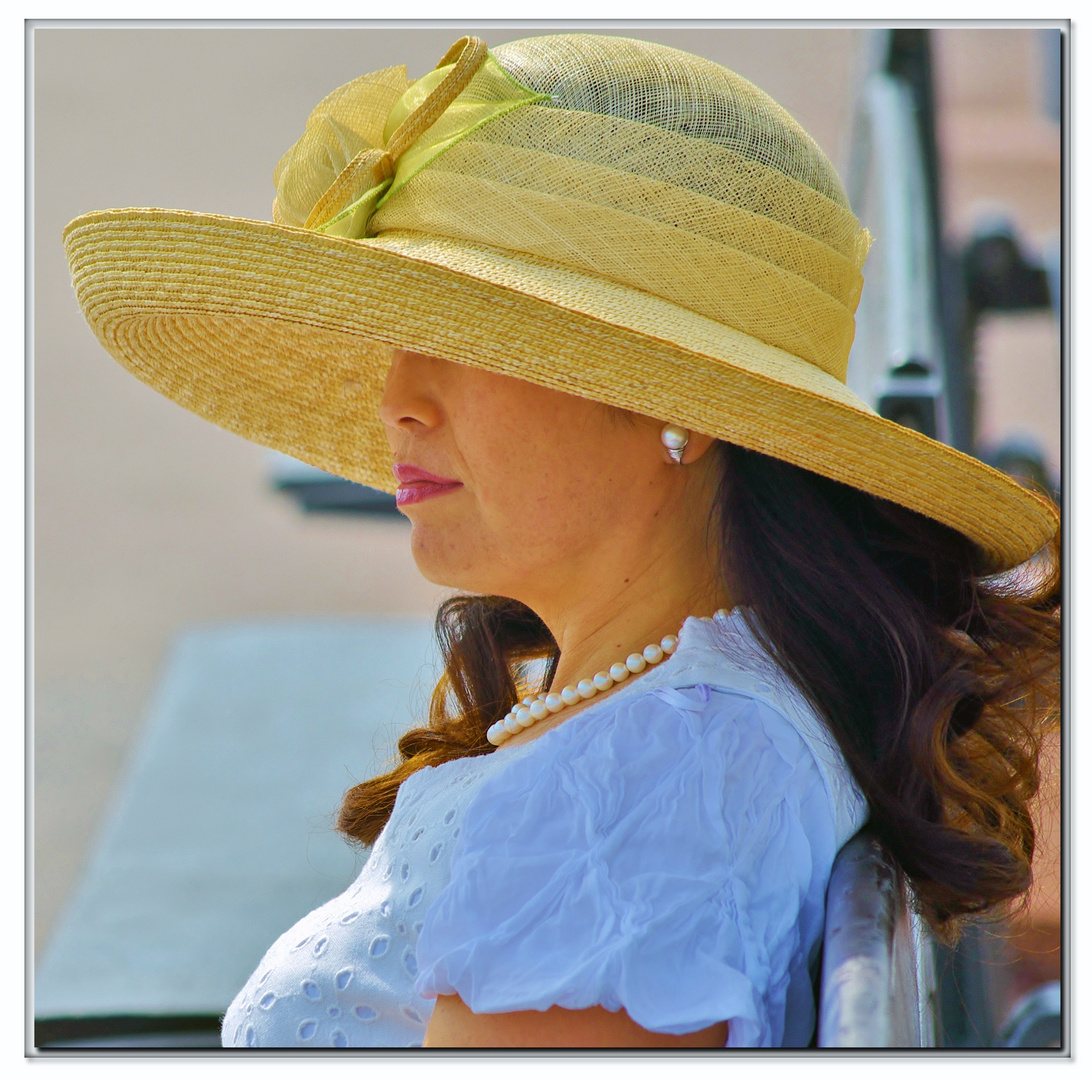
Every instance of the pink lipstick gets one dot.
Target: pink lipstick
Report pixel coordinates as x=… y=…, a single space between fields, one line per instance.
x=416 y=485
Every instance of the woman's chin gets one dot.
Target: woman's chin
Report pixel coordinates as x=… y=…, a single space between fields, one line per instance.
x=444 y=563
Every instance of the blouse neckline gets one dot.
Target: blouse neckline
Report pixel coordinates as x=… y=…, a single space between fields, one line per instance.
x=696 y=638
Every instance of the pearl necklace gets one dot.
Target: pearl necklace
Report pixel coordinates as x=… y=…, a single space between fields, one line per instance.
x=532 y=709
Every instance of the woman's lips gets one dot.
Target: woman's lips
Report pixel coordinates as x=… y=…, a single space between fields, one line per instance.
x=415 y=485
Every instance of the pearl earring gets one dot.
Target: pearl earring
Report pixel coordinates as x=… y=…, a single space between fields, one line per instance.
x=675 y=439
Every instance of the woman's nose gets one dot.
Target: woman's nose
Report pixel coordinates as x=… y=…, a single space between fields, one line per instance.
x=409 y=399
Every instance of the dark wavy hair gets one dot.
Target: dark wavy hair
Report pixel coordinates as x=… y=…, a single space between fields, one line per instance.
x=937 y=680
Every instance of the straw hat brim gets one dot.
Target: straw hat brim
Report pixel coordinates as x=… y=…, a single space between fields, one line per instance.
x=283 y=335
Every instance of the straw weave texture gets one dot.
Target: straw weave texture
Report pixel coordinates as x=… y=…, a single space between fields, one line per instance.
x=604 y=217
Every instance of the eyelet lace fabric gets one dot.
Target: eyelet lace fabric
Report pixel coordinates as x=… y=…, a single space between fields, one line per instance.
x=665 y=851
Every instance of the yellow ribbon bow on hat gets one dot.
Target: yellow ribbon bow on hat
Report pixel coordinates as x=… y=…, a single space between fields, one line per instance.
x=345 y=165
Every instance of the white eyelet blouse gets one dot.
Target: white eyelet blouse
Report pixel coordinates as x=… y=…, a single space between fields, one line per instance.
x=665 y=850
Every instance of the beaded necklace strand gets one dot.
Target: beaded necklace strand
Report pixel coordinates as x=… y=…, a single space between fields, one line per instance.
x=532 y=709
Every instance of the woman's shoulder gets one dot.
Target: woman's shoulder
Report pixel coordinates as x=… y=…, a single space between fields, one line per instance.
x=726 y=652
x=720 y=695
x=719 y=720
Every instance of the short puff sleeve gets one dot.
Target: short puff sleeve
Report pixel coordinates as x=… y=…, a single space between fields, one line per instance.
x=667 y=856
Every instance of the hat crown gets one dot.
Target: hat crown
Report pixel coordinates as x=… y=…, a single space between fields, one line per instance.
x=654 y=84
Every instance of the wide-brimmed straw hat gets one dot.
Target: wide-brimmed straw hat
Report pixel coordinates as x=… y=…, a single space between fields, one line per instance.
x=606 y=217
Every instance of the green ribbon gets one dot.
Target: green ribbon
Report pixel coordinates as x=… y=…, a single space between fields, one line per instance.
x=492 y=92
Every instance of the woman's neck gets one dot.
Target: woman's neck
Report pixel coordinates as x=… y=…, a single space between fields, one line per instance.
x=630 y=600
x=592 y=637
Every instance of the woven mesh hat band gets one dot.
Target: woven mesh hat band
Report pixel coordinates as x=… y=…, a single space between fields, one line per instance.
x=736 y=284
x=751 y=234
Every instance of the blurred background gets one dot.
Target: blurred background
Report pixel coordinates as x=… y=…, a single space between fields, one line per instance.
x=155 y=532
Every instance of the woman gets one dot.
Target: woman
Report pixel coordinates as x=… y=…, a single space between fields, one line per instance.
x=589 y=302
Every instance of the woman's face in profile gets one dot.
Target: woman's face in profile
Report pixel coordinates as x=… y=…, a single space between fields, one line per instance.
x=510 y=486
